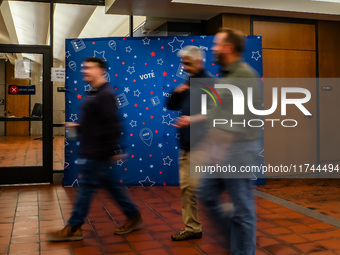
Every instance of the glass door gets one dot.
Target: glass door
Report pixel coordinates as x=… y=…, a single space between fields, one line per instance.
x=25 y=115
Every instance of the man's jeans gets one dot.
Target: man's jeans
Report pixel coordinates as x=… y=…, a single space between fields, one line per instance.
x=97 y=174
x=239 y=227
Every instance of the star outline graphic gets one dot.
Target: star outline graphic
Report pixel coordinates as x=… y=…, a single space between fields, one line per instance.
x=177 y=41
x=258 y=55
x=100 y=53
x=167 y=116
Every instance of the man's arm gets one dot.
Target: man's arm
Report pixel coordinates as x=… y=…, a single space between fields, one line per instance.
x=184 y=120
x=174 y=102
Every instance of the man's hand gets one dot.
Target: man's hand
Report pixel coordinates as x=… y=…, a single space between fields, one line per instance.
x=117 y=157
x=182 y=121
x=181 y=88
x=71 y=124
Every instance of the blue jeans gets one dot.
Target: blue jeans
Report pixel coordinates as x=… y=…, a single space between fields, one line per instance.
x=97 y=174
x=239 y=227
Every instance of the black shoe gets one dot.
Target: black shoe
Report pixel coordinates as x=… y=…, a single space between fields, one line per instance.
x=186 y=235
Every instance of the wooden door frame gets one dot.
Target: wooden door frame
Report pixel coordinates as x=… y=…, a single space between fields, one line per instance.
x=44 y=173
x=254 y=18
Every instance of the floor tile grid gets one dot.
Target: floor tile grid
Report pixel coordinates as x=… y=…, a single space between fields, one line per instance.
x=27 y=151
x=280 y=230
x=148 y=211
x=16 y=216
x=283 y=230
x=92 y=231
x=66 y=199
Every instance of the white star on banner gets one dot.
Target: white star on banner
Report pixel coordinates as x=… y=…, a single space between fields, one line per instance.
x=133 y=123
x=99 y=54
x=146 y=41
x=75 y=183
x=167 y=161
x=67 y=54
x=160 y=61
x=255 y=55
x=136 y=93
x=147 y=182
x=178 y=42
x=120 y=162
x=168 y=122
x=125 y=115
x=128 y=49
x=131 y=69
x=126 y=89
x=87 y=88
x=73 y=117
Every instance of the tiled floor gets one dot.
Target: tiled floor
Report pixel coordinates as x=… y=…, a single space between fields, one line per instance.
x=58 y=152
x=27 y=151
x=320 y=195
x=27 y=212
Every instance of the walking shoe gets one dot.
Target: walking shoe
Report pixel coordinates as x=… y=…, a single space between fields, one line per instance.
x=186 y=235
x=130 y=225
x=68 y=233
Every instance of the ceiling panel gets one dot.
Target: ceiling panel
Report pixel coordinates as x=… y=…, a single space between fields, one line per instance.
x=4 y=36
x=69 y=21
x=31 y=21
x=103 y=25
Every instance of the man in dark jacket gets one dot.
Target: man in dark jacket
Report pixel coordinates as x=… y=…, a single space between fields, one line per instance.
x=100 y=131
x=192 y=60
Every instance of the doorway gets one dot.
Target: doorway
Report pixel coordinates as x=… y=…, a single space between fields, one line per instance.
x=25 y=115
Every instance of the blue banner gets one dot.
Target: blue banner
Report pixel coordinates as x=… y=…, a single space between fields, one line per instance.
x=143 y=73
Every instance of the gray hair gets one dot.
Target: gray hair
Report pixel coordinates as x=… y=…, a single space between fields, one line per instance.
x=192 y=52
